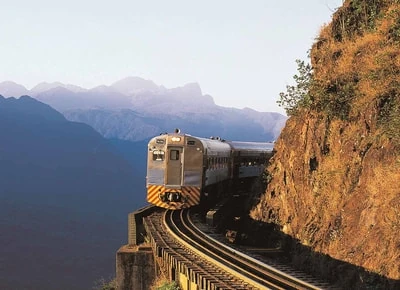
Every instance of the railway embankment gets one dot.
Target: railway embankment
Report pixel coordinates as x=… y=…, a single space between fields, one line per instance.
x=135 y=264
x=183 y=246
x=135 y=267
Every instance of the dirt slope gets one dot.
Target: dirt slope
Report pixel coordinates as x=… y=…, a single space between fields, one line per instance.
x=335 y=178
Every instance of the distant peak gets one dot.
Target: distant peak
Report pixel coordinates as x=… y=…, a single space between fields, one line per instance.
x=45 y=86
x=12 y=89
x=138 y=80
x=103 y=89
x=131 y=85
x=131 y=79
x=190 y=89
x=10 y=83
x=49 y=84
x=193 y=87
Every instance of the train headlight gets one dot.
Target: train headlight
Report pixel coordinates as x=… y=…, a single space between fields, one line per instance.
x=174 y=196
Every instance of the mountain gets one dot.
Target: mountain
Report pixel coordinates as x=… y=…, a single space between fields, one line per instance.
x=135 y=109
x=230 y=124
x=131 y=85
x=334 y=179
x=11 y=89
x=176 y=101
x=63 y=99
x=44 y=86
x=272 y=123
x=130 y=93
x=65 y=193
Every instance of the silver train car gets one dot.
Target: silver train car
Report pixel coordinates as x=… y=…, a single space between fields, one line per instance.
x=182 y=170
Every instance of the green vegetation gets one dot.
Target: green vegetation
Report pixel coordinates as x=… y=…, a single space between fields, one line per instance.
x=102 y=284
x=308 y=93
x=297 y=96
x=355 y=68
x=389 y=116
x=356 y=17
x=168 y=286
x=346 y=124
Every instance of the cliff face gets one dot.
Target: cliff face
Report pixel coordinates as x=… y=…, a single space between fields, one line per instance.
x=334 y=180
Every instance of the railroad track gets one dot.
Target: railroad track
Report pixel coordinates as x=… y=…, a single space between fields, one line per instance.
x=187 y=260
x=220 y=266
x=269 y=267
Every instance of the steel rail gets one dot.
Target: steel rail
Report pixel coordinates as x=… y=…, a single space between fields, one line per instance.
x=263 y=270
x=192 y=241
x=204 y=268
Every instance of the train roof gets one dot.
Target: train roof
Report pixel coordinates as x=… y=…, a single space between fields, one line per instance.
x=251 y=146
x=216 y=143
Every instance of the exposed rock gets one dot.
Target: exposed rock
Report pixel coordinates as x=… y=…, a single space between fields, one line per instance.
x=335 y=176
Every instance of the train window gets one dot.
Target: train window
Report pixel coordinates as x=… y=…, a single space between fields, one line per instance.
x=174 y=155
x=158 y=155
x=160 y=141
x=191 y=142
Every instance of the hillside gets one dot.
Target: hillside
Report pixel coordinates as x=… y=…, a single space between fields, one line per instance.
x=334 y=180
x=64 y=198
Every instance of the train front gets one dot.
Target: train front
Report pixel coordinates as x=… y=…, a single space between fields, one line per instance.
x=174 y=171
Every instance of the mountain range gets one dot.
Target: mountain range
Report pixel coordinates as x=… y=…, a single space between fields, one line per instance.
x=136 y=109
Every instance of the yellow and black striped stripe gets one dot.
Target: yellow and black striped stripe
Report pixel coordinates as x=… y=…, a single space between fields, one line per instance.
x=153 y=193
x=190 y=196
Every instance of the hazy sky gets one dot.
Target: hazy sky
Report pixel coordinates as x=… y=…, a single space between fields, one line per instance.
x=242 y=53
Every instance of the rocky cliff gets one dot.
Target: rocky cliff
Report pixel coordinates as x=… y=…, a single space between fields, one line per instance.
x=334 y=180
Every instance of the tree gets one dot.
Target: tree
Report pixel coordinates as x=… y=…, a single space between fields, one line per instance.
x=297 y=96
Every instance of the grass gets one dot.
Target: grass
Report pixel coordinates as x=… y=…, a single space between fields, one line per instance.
x=162 y=284
x=103 y=284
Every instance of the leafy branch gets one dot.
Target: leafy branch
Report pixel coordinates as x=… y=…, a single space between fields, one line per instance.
x=298 y=96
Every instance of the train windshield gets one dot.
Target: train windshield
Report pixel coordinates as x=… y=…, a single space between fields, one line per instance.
x=174 y=155
x=158 y=155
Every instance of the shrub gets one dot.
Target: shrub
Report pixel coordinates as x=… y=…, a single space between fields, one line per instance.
x=168 y=286
x=102 y=284
x=297 y=96
x=389 y=115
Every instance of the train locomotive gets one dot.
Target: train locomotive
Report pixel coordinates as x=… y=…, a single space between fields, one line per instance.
x=183 y=170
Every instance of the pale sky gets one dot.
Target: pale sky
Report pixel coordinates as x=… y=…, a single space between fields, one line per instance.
x=242 y=53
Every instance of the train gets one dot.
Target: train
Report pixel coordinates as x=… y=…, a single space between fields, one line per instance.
x=184 y=170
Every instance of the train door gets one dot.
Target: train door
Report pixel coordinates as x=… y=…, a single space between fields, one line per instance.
x=174 y=166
